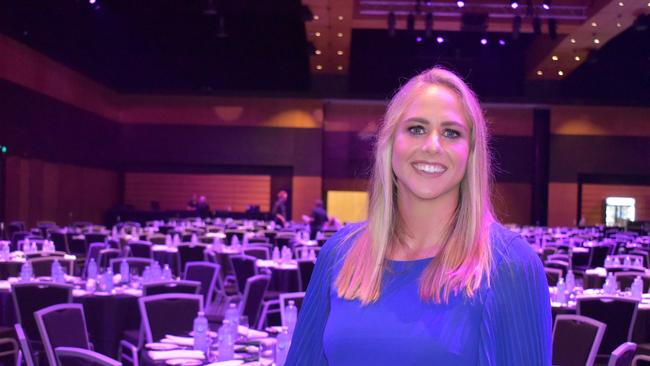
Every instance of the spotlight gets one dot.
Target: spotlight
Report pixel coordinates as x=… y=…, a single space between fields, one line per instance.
x=552 y=28
x=92 y=2
x=391 y=24
x=537 y=26
x=428 y=25
x=502 y=42
x=410 y=23
x=418 y=39
x=516 y=27
x=514 y=4
x=440 y=39
x=484 y=41
x=460 y=3
x=546 y=5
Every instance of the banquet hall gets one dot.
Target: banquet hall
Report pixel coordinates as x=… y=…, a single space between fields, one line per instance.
x=171 y=169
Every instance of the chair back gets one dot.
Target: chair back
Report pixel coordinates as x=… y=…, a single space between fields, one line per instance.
x=62 y=325
x=141 y=249
x=169 y=287
x=245 y=268
x=207 y=274
x=552 y=275
x=95 y=238
x=619 y=314
x=190 y=253
x=59 y=240
x=33 y=296
x=576 y=340
x=73 y=356
x=24 y=345
x=139 y=264
x=257 y=252
x=284 y=298
x=622 y=355
x=625 y=280
x=42 y=266
x=562 y=265
x=598 y=255
x=305 y=269
x=254 y=291
x=105 y=256
x=155 y=312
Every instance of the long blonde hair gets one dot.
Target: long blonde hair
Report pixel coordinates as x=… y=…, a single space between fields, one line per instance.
x=464 y=259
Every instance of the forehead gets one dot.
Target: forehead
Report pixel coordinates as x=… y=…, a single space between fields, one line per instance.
x=436 y=103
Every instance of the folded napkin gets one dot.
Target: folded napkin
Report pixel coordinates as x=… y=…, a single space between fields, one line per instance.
x=182 y=341
x=182 y=353
x=133 y=292
x=251 y=333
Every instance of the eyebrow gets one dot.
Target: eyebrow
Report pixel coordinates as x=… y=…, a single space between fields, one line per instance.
x=444 y=124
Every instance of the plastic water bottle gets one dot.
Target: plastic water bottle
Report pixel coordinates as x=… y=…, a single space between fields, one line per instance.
x=608 y=261
x=55 y=270
x=617 y=262
x=276 y=254
x=570 y=281
x=561 y=288
x=638 y=263
x=232 y=315
x=156 y=272
x=312 y=255
x=146 y=275
x=166 y=273
x=637 y=287
x=226 y=344
x=92 y=269
x=290 y=317
x=201 y=333
x=108 y=280
x=627 y=262
x=26 y=272
x=282 y=347
x=124 y=271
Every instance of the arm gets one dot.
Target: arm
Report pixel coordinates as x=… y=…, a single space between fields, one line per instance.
x=516 y=328
x=307 y=343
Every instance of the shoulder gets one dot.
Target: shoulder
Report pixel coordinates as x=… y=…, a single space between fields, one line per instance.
x=337 y=246
x=510 y=250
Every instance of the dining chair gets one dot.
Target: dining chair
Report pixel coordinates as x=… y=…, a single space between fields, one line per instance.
x=552 y=275
x=167 y=287
x=141 y=249
x=244 y=267
x=305 y=269
x=622 y=355
x=25 y=348
x=62 y=325
x=576 y=340
x=205 y=273
x=155 y=312
x=253 y=298
x=73 y=356
x=135 y=263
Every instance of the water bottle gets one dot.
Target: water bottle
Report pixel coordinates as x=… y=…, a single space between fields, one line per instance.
x=638 y=263
x=92 y=269
x=166 y=273
x=146 y=275
x=26 y=272
x=637 y=287
x=570 y=281
x=282 y=347
x=194 y=239
x=608 y=261
x=234 y=242
x=201 y=333
x=290 y=317
x=232 y=315
x=627 y=262
x=55 y=270
x=156 y=272
x=168 y=240
x=276 y=254
x=108 y=280
x=617 y=262
x=124 y=271
x=312 y=255
x=561 y=288
x=226 y=342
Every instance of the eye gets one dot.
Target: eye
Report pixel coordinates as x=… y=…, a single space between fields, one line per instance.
x=416 y=130
x=450 y=133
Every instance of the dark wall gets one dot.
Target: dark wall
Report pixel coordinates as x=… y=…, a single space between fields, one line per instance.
x=573 y=155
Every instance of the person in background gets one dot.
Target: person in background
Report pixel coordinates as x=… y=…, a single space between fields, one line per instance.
x=191 y=204
x=203 y=208
x=279 y=211
x=431 y=278
x=317 y=219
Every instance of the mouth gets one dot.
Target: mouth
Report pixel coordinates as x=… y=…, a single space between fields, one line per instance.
x=429 y=168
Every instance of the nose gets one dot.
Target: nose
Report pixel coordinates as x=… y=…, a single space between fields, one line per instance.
x=432 y=143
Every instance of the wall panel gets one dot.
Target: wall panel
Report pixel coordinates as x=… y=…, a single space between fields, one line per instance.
x=593 y=196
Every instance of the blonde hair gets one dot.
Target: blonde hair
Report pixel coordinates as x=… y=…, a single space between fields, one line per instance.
x=464 y=259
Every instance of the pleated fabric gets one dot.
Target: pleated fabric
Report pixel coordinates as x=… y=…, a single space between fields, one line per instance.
x=507 y=323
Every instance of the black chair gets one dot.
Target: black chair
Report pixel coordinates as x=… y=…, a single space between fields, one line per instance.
x=625 y=280
x=576 y=340
x=260 y=252
x=617 y=313
x=62 y=325
x=33 y=296
x=305 y=269
x=622 y=355
x=8 y=346
x=253 y=298
x=167 y=287
x=244 y=268
x=598 y=255
x=207 y=274
x=18 y=236
x=60 y=241
x=141 y=249
x=562 y=265
x=72 y=356
x=190 y=253
x=42 y=266
x=137 y=264
x=552 y=275
x=95 y=238
x=641 y=360
x=25 y=348
x=105 y=257
x=155 y=313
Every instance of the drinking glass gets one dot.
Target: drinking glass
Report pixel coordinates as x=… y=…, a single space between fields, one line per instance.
x=243 y=321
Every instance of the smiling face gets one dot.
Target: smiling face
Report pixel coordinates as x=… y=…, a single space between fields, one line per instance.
x=431 y=145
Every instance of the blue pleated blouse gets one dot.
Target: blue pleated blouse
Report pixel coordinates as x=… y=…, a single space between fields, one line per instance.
x=507 y=323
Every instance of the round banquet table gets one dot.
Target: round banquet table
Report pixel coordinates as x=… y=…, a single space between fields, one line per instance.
x=284 y=277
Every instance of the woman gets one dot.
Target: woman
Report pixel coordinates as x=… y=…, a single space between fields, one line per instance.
x=431 y=278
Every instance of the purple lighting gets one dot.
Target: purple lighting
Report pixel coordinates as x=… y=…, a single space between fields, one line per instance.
x=502 y=42
x=483 y=41
x=418 y=39
x=460 y=3
x=92 y=1
x=514 y=5
x=546 y=7
x=440 y=39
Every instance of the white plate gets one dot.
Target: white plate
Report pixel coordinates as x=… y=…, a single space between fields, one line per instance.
x=184 y=361
x=227 y=363
x=157 y=346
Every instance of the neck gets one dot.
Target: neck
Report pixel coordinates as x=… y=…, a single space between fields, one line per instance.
x=424 y=223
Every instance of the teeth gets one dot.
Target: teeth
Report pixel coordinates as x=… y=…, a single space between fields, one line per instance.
x=427 y=168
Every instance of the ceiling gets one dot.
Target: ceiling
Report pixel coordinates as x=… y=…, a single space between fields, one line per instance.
x=259 y=47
